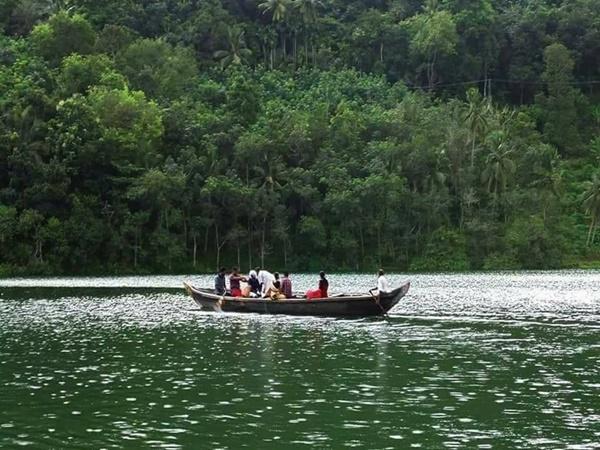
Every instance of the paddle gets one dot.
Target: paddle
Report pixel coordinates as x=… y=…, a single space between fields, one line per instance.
x=376 y=300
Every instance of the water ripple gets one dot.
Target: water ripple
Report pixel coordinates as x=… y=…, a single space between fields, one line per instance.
x=466 y=361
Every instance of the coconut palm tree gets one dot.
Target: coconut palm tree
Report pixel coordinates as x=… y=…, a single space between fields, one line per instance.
x=277 y=8
x=499 y=165
x=476 y=119
x=308 y=11
x=237 y=53
x=591 y=203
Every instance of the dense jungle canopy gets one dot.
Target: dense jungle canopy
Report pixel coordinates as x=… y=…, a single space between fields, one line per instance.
x=164 y=136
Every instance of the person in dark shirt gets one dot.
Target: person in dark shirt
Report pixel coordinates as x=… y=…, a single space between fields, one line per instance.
x=322 y=291
x=254 y=284
x=323 y=285
x=286 y=285
x=277 y=282
x=220 y=288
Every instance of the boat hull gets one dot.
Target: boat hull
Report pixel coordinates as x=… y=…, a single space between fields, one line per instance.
x=342 y=306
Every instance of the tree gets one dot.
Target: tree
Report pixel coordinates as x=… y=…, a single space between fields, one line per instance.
x=308 y=11
x=278 y=10
x=559 y=106
x=433 y=37
x=80 y=73
x=130 y=126
x=591 y=203
x=237 y=53
x=225 y=197
x=476 y=118
x=63 y=35
x=157 y=68
x=499 y=165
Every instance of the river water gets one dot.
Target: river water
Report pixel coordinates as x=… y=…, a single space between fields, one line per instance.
x=506 y=361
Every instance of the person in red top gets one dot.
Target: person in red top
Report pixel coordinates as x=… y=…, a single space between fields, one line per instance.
x=234 y=282
x=286 y=285
x=322 y=292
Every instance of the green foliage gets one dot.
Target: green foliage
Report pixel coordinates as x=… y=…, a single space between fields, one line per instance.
x=157 y=68
x=445 y=251
x=130 y=125
x=560 y=109
x=533 y=244
x=80 y=73
x=63 y=35
x=149 y=136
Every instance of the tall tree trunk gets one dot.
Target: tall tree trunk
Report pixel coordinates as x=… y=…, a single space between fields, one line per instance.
x=379 y=245
x=522 y=89
x=589 y=237
x=195 y=252
x=283 y=47
x=249 y=243
x=218 y=247
x=185 y=230
x=295 y=49
x=381 y=51
x=206 y=239
x=431 y=72
x=136 y=244
x=306 y=49
x=362 y=243
x=262 y=241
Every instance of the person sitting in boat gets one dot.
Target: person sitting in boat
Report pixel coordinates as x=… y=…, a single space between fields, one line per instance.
x=322 y=292
x=220 y=288
x=286 y=285
x=253 y=288
x=382 y=284
x=234 y=282
x=266 y=279
x=274 y=292
x=277 y=282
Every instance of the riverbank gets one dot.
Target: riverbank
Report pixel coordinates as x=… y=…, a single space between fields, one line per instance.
x=7 y=271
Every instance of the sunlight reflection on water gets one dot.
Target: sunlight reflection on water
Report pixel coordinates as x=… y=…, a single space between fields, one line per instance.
x=475 y=361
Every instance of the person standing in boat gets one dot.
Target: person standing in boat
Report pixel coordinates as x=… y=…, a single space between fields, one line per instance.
x=382 y=283
x=322 y=292
x=234 y=282
x=286 y=285
x=220 y=287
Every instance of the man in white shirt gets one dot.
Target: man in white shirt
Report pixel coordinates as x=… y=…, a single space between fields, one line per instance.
x=266 y=280
x=382 y=284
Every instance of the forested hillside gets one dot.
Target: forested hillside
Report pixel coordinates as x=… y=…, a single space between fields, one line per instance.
x=163 y=136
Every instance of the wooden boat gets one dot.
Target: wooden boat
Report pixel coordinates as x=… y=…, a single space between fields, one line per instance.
x=337 y=306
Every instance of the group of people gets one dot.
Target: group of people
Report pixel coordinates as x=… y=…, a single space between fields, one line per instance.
x=261 y=283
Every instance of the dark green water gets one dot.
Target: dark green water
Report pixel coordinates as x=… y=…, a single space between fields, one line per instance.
x=113 y=368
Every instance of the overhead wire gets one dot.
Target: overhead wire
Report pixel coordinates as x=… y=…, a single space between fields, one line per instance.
x=506 y=81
